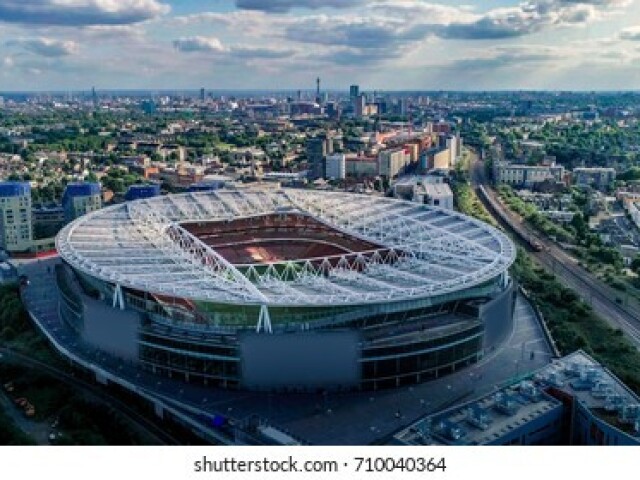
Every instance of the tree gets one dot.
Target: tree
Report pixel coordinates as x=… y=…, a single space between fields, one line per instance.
x=578 y=222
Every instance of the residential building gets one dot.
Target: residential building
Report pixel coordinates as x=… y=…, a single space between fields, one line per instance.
x=47 y=221
x=436 y=158
x=392 y=162
x=599 y=178
x=336 y=166
x=519 y=175
x=361 y=166
x=316 y=149
x=140 y=191
x=80 y=199
x=16 y=230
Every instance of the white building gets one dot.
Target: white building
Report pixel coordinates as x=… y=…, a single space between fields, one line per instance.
x=336 y=166
x=434 y=194
x=426 y=189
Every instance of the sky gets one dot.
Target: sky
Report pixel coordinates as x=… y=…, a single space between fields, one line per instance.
x=285 y=44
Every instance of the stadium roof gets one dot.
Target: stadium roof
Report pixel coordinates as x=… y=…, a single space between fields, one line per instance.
x=427 y=251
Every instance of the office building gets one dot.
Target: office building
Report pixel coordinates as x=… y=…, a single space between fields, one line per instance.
x=354 y=91
x=16 y=230
x=80 y=199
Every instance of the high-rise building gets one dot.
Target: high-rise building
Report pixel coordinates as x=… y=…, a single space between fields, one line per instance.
x=318 y=98
x=80 y=199
x=16 y=231
x=316 y=151
x=360 y=106
x=202 y=95
x=336 y=166
x=354 y=91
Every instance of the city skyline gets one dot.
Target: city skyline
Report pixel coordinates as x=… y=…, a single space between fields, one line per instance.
x=49 y=45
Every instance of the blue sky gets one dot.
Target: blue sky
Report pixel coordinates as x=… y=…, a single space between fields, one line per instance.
x=286 y=44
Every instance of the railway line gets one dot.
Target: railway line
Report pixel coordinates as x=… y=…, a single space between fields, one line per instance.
x=605 y=301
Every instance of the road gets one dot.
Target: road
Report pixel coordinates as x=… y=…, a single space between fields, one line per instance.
x=154 y=432
x=601 y=297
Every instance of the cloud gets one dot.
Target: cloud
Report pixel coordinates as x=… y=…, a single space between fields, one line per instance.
x=283 y=6
x=528 y=18
x=46 y=47
x=198 y=44
x=632 y=33
x=356 y=32
x=212 y=45
x=80 y=12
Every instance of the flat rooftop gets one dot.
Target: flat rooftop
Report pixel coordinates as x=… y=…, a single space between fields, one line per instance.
x=495 y=415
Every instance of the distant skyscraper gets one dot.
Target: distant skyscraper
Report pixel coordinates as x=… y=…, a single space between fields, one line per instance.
x=94 y=96
x=354 y=91
x=318 y=99
x=202 y=95
x=359 y=105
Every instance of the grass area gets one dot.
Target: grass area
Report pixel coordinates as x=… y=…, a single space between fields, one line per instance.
x=467 y=202
x=574 y=325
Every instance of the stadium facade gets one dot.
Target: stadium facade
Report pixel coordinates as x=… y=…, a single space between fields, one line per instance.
x=287 y=289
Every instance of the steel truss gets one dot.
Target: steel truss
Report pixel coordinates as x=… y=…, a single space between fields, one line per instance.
x=424 y=251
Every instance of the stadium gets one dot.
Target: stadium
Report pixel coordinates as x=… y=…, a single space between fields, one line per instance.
x=286 y=289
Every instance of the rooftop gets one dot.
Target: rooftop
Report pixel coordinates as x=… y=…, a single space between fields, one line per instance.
x=495 y=415
x=423 y=251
